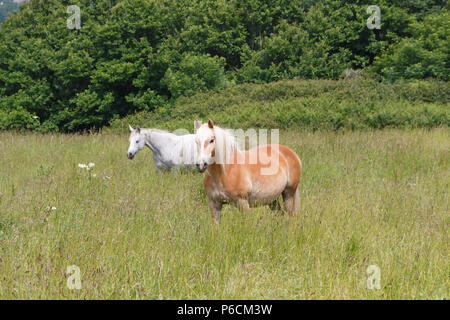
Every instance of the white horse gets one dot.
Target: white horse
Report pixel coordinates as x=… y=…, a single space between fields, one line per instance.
x=169 y=150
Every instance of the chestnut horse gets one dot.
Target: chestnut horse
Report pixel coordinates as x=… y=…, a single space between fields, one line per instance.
x=245 y=178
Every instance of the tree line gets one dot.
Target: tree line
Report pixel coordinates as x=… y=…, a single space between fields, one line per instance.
x=142 y=55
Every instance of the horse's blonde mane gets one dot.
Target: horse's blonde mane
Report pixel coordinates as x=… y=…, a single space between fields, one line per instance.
x=226 y=144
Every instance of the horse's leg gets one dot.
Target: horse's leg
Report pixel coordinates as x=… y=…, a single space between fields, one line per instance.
x=243 y=205
x=275 y=206
x=160 y=167
x=216 y=208
x=291 y=200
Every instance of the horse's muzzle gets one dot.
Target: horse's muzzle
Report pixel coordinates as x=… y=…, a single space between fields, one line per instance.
x=130 y=155
x=202 y=166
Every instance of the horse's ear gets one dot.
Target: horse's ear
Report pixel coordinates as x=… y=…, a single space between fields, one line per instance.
x=138 y=129
x=210 y=124
x=131 y=128
x=197 y=124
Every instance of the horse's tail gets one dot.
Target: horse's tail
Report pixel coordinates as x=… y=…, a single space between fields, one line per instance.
x=292 y=195
x=294 y=165
x=297 y=200
x=297 y=192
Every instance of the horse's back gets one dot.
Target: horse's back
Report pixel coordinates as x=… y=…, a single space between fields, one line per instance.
x=290 y=158
x=275 y=160
x=278 y=170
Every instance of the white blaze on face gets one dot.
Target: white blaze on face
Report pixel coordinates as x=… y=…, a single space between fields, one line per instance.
x=205 y=140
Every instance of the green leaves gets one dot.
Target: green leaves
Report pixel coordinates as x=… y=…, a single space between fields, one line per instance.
x=145 y=55
x=427 y=55
x=194 y=74
x=17 y=119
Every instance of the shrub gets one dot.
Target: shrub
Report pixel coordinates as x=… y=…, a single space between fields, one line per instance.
x=195 y=73
x=17 y=119
x=316 y=104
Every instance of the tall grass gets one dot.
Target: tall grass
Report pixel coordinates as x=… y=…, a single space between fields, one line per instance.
x=367 y=198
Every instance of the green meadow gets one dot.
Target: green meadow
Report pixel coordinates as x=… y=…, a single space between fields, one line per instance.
x=368 y=197
x=366 y=110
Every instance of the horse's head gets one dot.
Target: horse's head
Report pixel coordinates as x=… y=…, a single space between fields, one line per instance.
x=137 y=142
x=206 y=144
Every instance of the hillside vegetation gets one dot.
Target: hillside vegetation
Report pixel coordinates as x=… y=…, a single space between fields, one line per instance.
x=142 y=55
x=310 y=104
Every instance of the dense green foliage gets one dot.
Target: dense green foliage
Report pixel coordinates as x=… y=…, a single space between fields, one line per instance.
x=146 y=55
x=312 y=104
x=425 y=55
x=7 y=6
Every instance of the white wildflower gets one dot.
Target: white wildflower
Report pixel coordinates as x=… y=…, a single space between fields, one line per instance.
x=88 y=167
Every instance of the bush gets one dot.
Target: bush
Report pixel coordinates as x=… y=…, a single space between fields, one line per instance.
x=17 y=119
x=409 y=60
x=195 y=73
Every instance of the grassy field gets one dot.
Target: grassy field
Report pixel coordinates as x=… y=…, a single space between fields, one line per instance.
x=367 y=198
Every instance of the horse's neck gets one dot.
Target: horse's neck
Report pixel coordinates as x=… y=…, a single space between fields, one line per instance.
x=150 y=140
x=158 y=140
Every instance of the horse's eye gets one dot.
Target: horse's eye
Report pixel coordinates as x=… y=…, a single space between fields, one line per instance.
x=211 y=141
x=137 y=141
